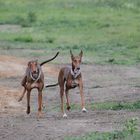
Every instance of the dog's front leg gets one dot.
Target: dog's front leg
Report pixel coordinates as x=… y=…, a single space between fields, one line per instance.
x=21 y=97
x=62 y=103
x=67 y=98
x=39 y=103
x=82 y=95
x=28 y=101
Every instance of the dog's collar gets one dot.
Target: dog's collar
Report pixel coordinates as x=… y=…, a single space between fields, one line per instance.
x=35 y=79
x=75 y=75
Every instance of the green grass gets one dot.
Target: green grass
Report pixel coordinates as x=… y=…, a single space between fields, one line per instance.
x=116 y=135
x=107 y=106
x=105 y=29
x=116 y=105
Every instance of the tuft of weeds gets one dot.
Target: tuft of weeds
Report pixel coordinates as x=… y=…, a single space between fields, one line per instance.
x=131 y=126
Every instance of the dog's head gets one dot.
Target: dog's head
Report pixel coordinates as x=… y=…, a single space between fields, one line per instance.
x=33 y=65
x=76 y=61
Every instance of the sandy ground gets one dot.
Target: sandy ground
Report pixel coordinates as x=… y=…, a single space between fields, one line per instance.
x=102 y=83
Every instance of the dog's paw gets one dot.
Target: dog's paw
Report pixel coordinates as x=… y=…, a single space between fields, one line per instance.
x=84 y=110
x=28 y=110
x=65 y=115
x=68 y=108
x=39 y=115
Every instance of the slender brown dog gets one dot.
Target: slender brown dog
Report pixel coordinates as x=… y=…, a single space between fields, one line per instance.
x=68 y=78
x=34 y=78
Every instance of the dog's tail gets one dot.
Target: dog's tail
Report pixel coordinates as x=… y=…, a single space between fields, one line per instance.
x=49 y=59
x=53 y=85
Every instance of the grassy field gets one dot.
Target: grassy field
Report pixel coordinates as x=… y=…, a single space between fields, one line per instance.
x=108 y=31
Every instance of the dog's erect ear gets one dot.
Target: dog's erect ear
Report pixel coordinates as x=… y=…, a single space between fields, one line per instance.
x=81 y=53
x=71 y=54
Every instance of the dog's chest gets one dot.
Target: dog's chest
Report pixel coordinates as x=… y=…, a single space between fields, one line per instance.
x=34 y=85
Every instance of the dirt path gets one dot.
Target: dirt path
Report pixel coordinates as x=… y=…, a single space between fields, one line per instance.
x=101 y=84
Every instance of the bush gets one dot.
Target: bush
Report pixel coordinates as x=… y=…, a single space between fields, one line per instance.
x=24 y=39
x=31 y=17
x=25 y=21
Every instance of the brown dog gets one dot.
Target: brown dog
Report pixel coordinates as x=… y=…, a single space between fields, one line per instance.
x=70 y=77
x=34 y=78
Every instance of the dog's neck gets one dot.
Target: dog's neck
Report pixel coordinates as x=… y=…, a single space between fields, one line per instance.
x=74 y=73
x=36 y=78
